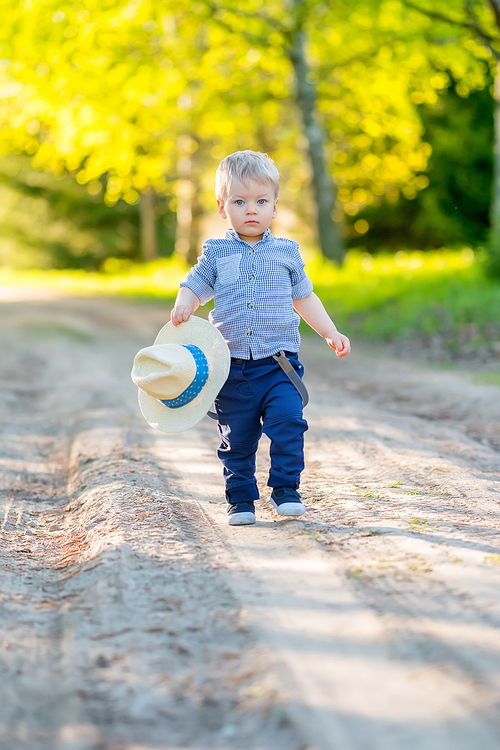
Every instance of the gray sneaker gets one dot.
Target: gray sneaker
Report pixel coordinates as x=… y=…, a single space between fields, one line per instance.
x=286 y=500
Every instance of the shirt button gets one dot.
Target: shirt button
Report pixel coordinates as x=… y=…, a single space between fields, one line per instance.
x=251 y=250
x=249 y=332
x=251 y=277
x=250 y=305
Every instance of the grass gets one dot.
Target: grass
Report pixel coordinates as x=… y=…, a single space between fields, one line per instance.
x=411 y=296
x=47 y=329
x=150 y=281
x=487 y=378
x=417 y=525
x=494 y=559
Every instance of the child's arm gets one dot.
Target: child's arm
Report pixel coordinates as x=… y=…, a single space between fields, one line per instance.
x=311 y=309
x=185 y=305
x=198 y=286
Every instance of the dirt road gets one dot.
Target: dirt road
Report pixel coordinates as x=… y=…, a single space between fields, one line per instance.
x=133 y=618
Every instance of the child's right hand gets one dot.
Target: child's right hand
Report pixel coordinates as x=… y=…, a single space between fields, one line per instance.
x=180 y=314
x=185 y=305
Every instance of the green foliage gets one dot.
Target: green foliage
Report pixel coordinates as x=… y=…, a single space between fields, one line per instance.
x=128 y=95
x=439 y=298
x=110 y=88
x=475 y=22
x=455 y=206
x=50 y=221
x=149 y=281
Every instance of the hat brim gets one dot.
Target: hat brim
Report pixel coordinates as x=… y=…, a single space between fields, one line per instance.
x=204 y=335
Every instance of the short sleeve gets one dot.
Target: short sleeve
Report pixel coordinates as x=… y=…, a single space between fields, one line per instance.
x=301 y=283
x=201 y=278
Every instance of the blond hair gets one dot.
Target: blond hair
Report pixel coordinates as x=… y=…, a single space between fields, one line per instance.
x=243 y=166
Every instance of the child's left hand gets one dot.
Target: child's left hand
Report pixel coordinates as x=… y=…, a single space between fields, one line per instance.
x=340 y=343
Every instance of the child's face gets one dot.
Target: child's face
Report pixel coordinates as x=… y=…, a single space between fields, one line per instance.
x=249 y=209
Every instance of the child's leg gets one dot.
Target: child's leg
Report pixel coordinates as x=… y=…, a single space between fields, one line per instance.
x=285 y=426
x=240 y=431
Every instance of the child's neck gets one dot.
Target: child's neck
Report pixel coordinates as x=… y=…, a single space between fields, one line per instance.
x=250 y=240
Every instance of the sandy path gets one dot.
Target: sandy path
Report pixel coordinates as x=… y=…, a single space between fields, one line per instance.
x=133 y=618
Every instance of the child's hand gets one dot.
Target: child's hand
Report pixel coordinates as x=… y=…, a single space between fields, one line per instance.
x=340 y=343
x=180 y=314
x=185 y=305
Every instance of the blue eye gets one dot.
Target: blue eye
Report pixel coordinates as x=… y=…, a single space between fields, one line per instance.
x=239 y=202
x=261 y=201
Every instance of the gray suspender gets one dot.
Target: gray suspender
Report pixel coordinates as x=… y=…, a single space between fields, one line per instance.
x=295 y=379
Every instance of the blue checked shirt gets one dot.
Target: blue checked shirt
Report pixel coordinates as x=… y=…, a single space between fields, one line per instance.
x=253 y=289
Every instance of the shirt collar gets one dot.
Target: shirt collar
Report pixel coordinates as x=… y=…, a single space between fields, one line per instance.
x=232 y=235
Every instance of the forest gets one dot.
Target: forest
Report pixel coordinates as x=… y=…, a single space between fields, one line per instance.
x=379 y=114
x=382 y=116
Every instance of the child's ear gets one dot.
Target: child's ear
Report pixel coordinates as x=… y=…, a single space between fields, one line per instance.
x=275 y=209
x=220 y=209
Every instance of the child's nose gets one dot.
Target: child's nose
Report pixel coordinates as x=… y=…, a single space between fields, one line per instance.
x=251 y=209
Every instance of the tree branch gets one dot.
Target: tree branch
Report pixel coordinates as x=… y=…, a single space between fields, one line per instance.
x=484 y=36
x=495 y=7
x=273 y=22
x=472 y=25
x=252 y=38
x=454 y=21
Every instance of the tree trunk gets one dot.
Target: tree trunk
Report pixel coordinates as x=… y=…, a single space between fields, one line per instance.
x=330 y=239
x=197 y=214
x=189 y=209
x=149 y=241
x=494 y=249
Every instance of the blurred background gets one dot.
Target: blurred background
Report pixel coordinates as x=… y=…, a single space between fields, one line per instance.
x=380 y=115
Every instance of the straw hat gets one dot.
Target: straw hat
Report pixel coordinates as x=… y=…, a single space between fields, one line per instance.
x=181 y=374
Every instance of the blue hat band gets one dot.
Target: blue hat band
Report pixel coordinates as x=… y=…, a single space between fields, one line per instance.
x=196 y=386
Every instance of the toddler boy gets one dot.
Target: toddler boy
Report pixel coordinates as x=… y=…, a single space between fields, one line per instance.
x=259 y=285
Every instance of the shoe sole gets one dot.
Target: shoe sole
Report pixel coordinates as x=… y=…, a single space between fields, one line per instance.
x=289 y=509
x=241 y=519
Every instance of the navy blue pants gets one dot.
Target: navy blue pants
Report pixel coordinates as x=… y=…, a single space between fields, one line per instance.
x=258 y=397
